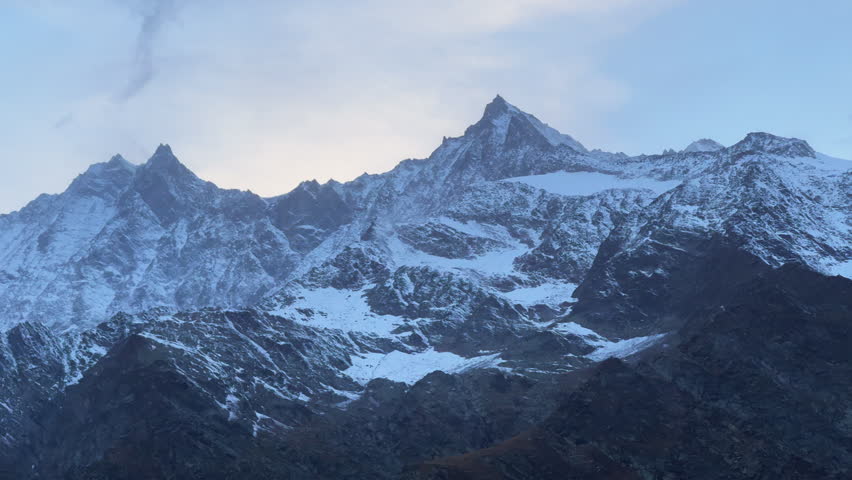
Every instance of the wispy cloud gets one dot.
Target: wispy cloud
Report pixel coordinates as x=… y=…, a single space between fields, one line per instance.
x=64 y=120
x=153 y=14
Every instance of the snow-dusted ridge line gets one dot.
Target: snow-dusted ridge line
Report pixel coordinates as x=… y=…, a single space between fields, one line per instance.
x=53 y=267
x=458 y=262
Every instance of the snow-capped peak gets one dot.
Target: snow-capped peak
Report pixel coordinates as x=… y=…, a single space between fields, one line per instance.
x=118 y=161
x=497 y=120
x=761 y=142
x=106 y=178
x=703 y=145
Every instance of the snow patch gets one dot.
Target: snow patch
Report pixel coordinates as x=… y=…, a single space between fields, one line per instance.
x=623 y=348
x=332 y=308
x=232 y=403
x=844 y=269
x=590 y=183
x=571 y=328
x=825 y=162
x=411 y=367
x=257 y=425
x=606 y=348
x=551 y=294
x=495 y=262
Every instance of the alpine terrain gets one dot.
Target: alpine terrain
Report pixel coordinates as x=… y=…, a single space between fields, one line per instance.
x=515 y=306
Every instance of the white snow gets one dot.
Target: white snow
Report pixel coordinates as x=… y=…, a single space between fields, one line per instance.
x=259 y=349
x=590 y=183
x=553 y=136
x=278 y=392
x=232 y=404
x=411 y=367
x=350 y=396
x=545 y=294
x=606 y=348
x=844 y=269
x=338 y=309
x=571 y=328
x=256 y=426
x=703 y=145
x=825 y=162
x=216 y=368
x=498 y=261
x=622 y=348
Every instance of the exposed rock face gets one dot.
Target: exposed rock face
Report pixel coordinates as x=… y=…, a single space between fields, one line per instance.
x=441 y=240
x=729 y=398
x=781 y=210
x=310 y=212
x=153 y=325
x=127 y=238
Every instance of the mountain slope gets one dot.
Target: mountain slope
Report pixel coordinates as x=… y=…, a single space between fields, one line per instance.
x=753 y=388
x=512 y=259
x=773 y=197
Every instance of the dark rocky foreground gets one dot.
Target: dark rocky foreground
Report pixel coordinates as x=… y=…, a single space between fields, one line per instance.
x=757 y=387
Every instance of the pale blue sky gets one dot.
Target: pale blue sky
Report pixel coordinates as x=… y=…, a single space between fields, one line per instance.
x=262 y=94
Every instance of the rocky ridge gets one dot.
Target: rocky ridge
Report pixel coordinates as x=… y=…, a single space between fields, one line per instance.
x=272 y=314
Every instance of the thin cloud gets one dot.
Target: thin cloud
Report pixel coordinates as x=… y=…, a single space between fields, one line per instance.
x=64 y=120
x=154 y=15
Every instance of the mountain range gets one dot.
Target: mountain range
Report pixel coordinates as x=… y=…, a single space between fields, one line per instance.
x=514 y=306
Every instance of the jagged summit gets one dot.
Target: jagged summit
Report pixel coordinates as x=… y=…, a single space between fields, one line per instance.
x=168 y=186
x=119 y=161
x=163 y=156
x=703 y=145
x=762 y=142
x=497 y=107
x=165 y=164
x=505 y=122
x=497 y=115
x=104 y=179
x=115 y=163
x=164 y=149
